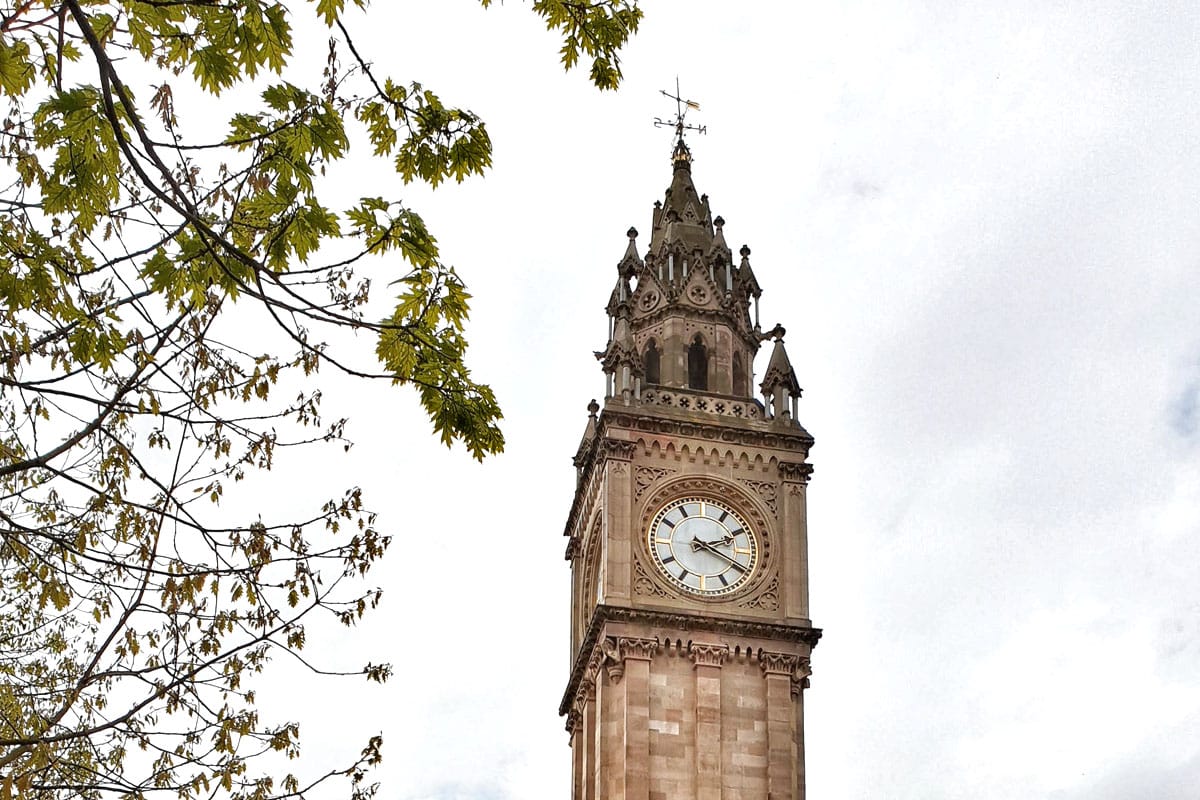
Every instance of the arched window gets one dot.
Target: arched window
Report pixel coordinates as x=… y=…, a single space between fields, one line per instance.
x=739 y=376
x=698 y=365
x=650 y=364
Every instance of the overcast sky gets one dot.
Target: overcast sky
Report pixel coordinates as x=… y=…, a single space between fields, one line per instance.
x=979 y=224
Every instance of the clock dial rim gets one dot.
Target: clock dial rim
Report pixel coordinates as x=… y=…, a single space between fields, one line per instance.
x=669 y=540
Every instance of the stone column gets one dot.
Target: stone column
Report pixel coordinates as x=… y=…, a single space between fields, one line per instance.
x=778 y=669
x=793 y=519
x=627 y=742
x=575 y=728
x=589 y=770
x=707 y=660
x=799 y=684
x=618 y=502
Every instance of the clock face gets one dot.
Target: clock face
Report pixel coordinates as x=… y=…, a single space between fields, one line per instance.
x=703 y=546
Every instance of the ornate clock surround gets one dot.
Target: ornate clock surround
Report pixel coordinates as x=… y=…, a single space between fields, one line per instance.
x=722 y=491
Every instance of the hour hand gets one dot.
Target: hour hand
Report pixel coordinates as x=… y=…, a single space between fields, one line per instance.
x=698 y=543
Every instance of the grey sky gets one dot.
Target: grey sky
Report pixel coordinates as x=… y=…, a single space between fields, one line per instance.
x=978 y=223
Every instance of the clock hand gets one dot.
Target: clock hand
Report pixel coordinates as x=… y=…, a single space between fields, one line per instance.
x=710 y=547
x=697 y=543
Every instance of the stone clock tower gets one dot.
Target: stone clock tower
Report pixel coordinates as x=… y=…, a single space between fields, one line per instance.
x=690 y=629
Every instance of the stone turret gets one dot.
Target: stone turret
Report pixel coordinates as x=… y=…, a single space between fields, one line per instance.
x=681 y=317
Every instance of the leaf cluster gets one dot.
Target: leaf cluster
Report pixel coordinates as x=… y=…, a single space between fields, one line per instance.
x=171 y=300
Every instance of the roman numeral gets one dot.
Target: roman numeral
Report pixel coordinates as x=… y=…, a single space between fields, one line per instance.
x=724 y=514
x=668 y=559
x=721 y=578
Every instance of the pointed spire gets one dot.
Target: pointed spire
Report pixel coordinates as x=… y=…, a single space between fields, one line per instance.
x=631 y=263
x=684 y=221
x=779 y=386
x=779 y=368
x=746 y=275
x=589 y=434
x=718 y=244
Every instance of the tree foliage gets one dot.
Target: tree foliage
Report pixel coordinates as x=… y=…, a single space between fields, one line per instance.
x=170 y=300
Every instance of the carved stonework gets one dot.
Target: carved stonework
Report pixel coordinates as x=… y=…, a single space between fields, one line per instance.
x=795 y=472
x=620 y=450
x=708 y=655
x=632 y=647
x=644 y=585
x=619 y=468
x=796 y=668
x=613 y=663
x=767 y=599
x=777 y=663
x=589 y=577
x=615 y=650
x=799 y=440
x=581 y=508
x=767 y=491
x=743 y=408
x=800 y=677
x=590 y=659
x=645 y=477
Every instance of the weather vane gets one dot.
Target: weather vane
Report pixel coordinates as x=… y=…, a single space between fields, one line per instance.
x=682 y=106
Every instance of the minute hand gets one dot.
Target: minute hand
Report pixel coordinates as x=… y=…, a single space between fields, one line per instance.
x=700 y=543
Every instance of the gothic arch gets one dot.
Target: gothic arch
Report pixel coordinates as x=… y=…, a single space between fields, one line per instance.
x=652 y=363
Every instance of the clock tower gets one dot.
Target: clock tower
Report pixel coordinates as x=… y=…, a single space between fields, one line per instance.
x=690 y=629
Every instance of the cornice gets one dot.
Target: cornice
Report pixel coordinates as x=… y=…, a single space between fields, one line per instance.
x=768 y=434
x=711 y=427
x=589 y=647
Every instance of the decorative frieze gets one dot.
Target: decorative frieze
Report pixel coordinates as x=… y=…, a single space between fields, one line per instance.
x=695 y=401
x=590 y=657
x=750 y=435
